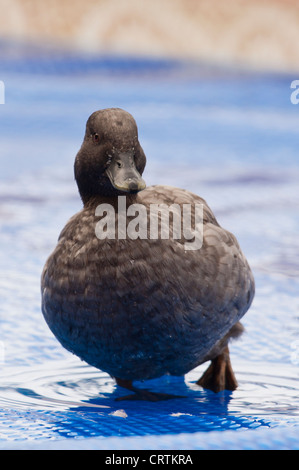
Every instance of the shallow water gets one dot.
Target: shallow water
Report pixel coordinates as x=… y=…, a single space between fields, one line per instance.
x=231 y=137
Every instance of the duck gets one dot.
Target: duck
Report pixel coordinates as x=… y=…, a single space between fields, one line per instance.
x=128 y=298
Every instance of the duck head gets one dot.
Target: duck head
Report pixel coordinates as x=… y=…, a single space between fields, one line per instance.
x=110 y=161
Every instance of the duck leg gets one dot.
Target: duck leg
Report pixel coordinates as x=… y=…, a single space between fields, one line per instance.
x=142 y=394
x=219 y=375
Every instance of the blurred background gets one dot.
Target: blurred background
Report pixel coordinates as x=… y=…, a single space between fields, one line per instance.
x=263 y=34
x=209 y=84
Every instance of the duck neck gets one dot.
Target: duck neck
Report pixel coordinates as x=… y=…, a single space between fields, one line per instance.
x=119 y=203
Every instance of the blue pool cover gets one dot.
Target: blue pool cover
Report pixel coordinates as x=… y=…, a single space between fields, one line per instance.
x=232 y=136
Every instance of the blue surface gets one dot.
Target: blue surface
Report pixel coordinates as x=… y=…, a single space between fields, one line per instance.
x=231 y=136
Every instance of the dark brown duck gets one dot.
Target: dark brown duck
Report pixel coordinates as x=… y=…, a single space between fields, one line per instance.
x=139 y=307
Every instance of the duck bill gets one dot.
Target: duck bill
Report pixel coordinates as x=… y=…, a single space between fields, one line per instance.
x=124 y=175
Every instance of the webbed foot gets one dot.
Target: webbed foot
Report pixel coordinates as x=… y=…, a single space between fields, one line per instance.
x=142 y=394
x=219 y=375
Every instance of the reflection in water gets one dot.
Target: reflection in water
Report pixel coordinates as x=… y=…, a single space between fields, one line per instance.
x=74 y=400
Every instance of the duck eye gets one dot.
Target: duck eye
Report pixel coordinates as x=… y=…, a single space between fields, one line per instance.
x=95 y=138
